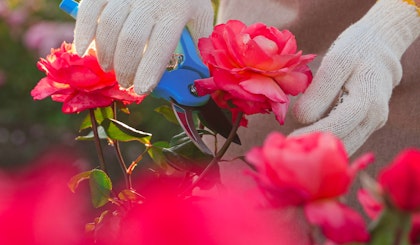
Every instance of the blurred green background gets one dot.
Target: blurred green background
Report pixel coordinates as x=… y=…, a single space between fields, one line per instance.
x=28 y=30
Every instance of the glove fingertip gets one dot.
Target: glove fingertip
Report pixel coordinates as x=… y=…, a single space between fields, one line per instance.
x=144 y=86
x=80 y=47
x=307 y=111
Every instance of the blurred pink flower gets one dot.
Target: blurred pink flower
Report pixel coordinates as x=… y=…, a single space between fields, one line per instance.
x=36 y=206
x=399 y=184
x=44 y=35
x=311 y=171
x=400 y=180
x=215 y=220
x=254 y=68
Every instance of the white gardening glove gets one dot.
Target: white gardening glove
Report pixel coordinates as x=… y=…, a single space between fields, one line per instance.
x=361 y=68
x=123 y=29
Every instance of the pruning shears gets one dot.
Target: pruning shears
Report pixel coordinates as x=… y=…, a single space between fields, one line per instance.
x=177 y=87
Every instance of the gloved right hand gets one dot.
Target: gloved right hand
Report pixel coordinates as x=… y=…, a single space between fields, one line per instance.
x=136 y=38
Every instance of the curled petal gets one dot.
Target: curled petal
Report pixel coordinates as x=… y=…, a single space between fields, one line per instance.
x=280 y=110
x=263 y=85
x=46 y=87
x=338 y=222
x=371 y=206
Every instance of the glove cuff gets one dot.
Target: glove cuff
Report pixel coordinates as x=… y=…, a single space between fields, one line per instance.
x=396 y=23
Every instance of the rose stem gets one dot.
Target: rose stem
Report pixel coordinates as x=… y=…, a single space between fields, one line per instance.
x=116 y=143
x=219 y=154
x=99 y=150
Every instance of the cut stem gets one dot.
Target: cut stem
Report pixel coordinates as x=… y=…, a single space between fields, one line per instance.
x=219 y=154
x=116 y=143
x=97 y=140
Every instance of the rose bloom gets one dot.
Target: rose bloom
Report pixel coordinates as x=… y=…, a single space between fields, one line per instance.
x=254 y=68
x=311 y=171
x=400 y=181
x=79 y=82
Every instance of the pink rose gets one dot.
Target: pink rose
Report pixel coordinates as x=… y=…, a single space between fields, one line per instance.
x=311 y=171
x=400 y=181
x=398 y=188
x=253 y=68
x=79 y=82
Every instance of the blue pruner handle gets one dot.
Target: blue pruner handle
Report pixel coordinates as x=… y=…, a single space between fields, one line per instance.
x=177 y=84
x=70 y=6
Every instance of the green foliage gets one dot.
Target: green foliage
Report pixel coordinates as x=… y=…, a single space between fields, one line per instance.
x=120 y=131
x=99 y=183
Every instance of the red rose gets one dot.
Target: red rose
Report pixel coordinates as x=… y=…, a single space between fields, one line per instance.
x=254 y=68
x=79 y=82
x=400 y=181
x=311 y=171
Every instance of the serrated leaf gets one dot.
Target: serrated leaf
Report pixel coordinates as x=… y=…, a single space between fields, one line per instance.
x=117 y=130
x=77 y=179
x=100 y=187
x=167 y=112
x=90 y=136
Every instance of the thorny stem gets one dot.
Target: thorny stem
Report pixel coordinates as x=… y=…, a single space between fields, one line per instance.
x=99 y=150
x=219 y=154
x=127 y=178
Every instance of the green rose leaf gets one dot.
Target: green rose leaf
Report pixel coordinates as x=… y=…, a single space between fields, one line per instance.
x=168 y=113
x=117 y=130
x=156 y=153
x=90 y=136
x=100 y=115
x=100 y=187
x=183 y=154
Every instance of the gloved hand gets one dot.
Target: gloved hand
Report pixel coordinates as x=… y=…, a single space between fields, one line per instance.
x=136 y=38
x=350 y=93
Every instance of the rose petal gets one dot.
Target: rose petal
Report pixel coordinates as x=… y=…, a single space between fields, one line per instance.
x=266 y=86
x=338 y=222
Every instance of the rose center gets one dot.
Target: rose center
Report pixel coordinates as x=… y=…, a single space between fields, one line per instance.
x=268 y=46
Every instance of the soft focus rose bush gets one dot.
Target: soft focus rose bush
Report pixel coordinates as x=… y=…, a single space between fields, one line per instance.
x=400 y=181
x=397 y=190
x=37 y=207
x=79 y=82
x=253 y=68
x=311 y=171
x=43 y=35
x=211 y=220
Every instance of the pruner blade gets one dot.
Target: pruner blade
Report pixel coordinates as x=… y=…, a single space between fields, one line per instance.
x=185 y=118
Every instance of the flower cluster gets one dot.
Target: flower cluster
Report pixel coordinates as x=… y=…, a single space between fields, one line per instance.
x=311 y=171
x=79 y=82
x=253 y=68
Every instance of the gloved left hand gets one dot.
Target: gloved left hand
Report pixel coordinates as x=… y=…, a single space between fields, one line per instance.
x=136 y=38
x=361 y=69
